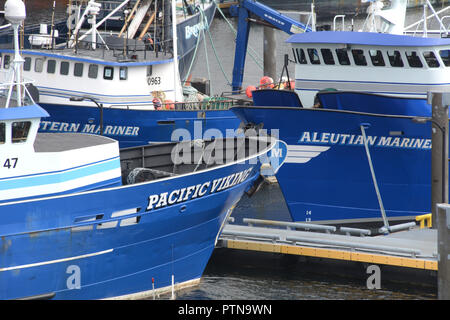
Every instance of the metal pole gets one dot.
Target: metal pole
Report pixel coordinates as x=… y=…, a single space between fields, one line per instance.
x=372 y=171
x=443 y=226
x=439 y=155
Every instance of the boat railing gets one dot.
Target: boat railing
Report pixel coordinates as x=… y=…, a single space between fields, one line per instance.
x=120 y=48
x=10 y=91
x=213 y=103
x=336 y=17
x=443 y=30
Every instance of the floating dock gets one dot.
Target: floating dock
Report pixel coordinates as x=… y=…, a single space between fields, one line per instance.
x=412 y=248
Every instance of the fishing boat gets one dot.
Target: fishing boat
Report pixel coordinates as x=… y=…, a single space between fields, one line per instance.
x=350 y=125
x=81 y=219
x=125 y=84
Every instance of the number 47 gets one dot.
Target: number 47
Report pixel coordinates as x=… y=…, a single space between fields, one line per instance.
x=10 y=163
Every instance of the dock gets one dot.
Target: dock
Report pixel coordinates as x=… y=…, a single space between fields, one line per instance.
x=412 y=248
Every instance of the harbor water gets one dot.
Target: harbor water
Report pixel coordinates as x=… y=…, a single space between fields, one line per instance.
x=237 y=274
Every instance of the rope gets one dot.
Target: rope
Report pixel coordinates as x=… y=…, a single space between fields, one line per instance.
x=207 y=60
x=196 y=46
x=235 y=33
x=249 y=49
x=217 y=58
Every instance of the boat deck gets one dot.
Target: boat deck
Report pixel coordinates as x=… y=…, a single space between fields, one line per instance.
x=57 y=142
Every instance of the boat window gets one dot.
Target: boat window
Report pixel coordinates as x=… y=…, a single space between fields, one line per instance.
x=313 y=56
x=445 y=56
x=51 y=66
x=395 y=58
x=93 y=71
x=295 y=56
x=342 y=56
x=78 y=69
x=64 y=70
x=301 y=57
x=20 y=131
x=413 y=59
x=377 y=58
x=38 y=64
x=2 y=132
x=123 y=73
x=27 y=64
x=6 y=62
x=431 y=59
x=108 y=73
x=327 y=56
x=358 y=56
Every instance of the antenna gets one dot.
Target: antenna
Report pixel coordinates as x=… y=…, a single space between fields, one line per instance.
x=15 y=13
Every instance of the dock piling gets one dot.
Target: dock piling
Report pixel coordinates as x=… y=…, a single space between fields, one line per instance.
x=439 y=150
x=443 y=228
x=270 y=57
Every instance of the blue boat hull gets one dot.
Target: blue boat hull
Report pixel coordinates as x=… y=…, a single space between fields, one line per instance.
x=85 y=246
x=138 y=127
x=326 y=177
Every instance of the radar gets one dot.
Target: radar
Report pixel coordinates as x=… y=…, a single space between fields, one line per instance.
x=15 y=11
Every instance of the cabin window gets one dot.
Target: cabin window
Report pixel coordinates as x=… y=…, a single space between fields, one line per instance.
x=93 y=71
x=395 y=59
x=20 y=131
x=359 y=58
x=327 y=56
x=27 y=64
x=301 y=57
x=51 y=66
x=38 y=64
x=313 y=56
x=295 y=56
x=64 y=70
x=6 y=62
x=377 y=58
x=2 y=132
x=342 y=56
x=413 y=59
x=431 y=59
x=108 y=73
x=123 y=73
x=445 y=56
x=78 y=69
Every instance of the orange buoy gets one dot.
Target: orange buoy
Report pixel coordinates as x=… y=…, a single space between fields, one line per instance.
x=249 y=91
x=169 y=104
x=266 y=82
x=292 y=84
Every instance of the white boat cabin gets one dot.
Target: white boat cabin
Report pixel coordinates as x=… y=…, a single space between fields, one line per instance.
x=378 y=63
x=63 y=75
x=40 y=164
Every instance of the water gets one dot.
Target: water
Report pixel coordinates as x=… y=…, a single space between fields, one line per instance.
x=236 y=274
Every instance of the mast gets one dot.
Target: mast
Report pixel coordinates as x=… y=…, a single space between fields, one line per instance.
x=175 y=47
x=15 y=13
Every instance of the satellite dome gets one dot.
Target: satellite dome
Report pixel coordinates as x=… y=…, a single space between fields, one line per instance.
x=15 y=11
